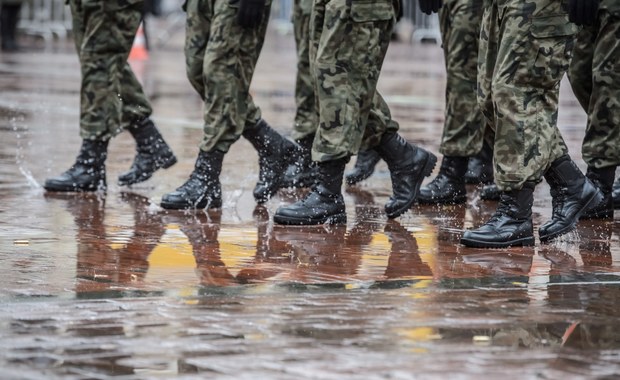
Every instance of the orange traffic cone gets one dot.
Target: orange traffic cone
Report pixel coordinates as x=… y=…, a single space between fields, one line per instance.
x=139 y=51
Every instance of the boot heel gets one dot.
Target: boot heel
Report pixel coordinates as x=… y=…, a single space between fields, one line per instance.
x=171 y=161
x=431 y=161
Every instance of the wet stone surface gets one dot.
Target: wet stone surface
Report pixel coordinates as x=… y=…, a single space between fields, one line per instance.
x=98 y=286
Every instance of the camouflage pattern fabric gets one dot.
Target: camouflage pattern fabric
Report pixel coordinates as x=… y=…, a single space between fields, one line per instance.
x=220 y=60
x=111 y=97
x=525 y=50
x=349 y=40
x=306 y=117
x=595 y=78
x=463 y=129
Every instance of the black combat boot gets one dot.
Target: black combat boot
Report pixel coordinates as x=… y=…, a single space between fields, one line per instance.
x=88 y=171
x=324 y=204
x=152 y=154
x=480 y=167
x=408 y=166
x=302 y=172
x=510 y=226
x=364 y=166
x=203 y=188
x=572 y=193
x=490 y=192
x=449 y=186
x=615 y=194
x=274 y=153
x=603 y=179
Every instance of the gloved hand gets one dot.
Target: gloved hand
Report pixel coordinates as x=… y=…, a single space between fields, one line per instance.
x=582 y=12
x=250 y=13
x=430 y=6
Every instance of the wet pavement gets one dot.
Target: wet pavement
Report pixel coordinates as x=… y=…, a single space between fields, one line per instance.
x=99 y=286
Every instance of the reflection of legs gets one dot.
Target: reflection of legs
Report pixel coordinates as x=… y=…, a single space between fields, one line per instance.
x=271 y=255
x=202 y=232
x=404 y=257
x=148 y=230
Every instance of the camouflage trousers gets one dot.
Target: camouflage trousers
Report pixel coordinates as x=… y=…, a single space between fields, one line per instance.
x=463 y=130
x=525 y=50
x=111 y=97
x=595 y=78
x=220 y=58
x=306 y=117
x=379 y=119
x=349 y=40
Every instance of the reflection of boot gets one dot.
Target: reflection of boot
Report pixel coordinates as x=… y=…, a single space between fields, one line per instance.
x=364 y=166
x=595 y=244
x=603 y=179
x=152 y=154
x=404 y=257
x=572 y=193
x=302 y=172
x=202 y=232
x=274 y=152
x=148 y=230
x=448 y=187
x=203 y=188
x=480 y=167
x=88 y=171
x=511 y=225
x=324 y=204
x=408 y=166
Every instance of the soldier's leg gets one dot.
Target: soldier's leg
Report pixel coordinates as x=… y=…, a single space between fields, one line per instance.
x=152 y=151
x=220 y=60
x=102 y=57
x=301 y=172
x=601 y=149
x=525 y=88
x=379 y=122
x=340 y=31
x=464 y=126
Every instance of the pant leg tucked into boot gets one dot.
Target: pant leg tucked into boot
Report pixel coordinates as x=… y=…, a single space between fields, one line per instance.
x=408 y=166
x=324 y=204
x=152 y=154
x=274 y=154
x=572 y=193
x=203 y=188
x=364 y=166
x=449 y=185
x=87 y=173
x=511 y=225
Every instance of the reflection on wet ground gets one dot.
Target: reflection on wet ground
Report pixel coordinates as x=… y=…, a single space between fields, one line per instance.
x=110 y=285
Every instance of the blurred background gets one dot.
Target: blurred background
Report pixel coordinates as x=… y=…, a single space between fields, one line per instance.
x=40 y=24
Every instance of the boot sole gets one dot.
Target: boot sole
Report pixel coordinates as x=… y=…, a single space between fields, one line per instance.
x=587 y=207
x=167 y=164
x=73 y=189
x=429 y=165
x=216 y=203
x=292 y=221
x=452 y=201
x=523 y=242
